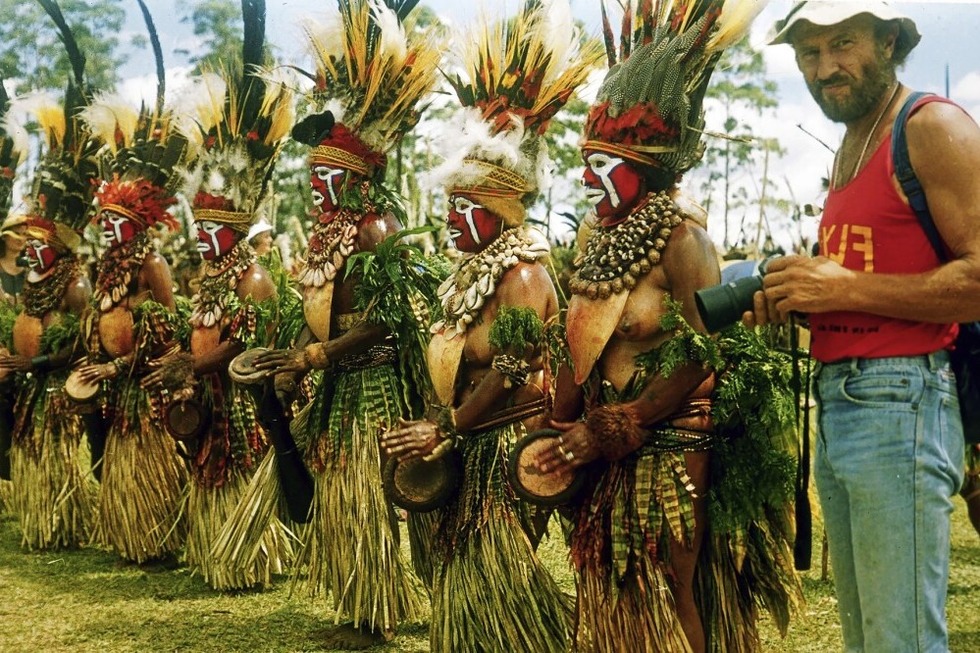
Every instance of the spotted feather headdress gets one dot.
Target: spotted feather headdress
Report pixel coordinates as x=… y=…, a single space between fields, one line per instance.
x=649 y=107
x=373 y=66
x=239 y=120
x=516 y=74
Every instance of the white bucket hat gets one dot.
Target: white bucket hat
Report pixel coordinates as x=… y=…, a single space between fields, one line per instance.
x=259 y=227
x=831 y=12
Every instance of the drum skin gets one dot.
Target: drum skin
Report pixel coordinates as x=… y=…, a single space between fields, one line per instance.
x=79 y=392
x=185 y=420
x=530 y=484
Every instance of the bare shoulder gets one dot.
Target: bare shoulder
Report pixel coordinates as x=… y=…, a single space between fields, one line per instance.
x=77 y=294
x=256 y=283
x=690 y=255
x=940 y=132
x=528 y=284
x=374 y=228
x=155 y=263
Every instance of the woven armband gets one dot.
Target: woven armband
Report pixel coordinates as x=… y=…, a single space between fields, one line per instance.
x=316 y=356
x=41 y=363
x=445 y=419
x=516 y=371
x=616 y=433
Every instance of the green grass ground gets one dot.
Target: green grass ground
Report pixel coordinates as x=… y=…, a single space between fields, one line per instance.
x=86 y=601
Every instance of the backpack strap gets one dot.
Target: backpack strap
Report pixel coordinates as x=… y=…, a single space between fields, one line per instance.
x=911 y=185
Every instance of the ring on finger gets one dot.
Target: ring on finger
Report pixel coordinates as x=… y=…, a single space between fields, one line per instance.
x=561 y=449
x=569 y=456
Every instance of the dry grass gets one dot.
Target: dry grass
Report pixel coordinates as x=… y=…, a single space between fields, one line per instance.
x=87 y=600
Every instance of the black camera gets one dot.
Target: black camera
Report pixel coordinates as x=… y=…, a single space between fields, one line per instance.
x=724 y=304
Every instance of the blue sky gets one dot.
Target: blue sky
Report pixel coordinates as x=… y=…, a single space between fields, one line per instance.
x=949 y=39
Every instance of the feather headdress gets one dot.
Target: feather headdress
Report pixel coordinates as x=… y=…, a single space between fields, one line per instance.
x=370 y=76
x=61 y=193
x=141 y=152
x=240 y=119
x=649 y=107
x=516 y=75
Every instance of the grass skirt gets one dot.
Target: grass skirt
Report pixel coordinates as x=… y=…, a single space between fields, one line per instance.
x=143 y=480
x=253 y=542
x=490 y=592
x=350 y=548
x=51 y=495
x=208 y=509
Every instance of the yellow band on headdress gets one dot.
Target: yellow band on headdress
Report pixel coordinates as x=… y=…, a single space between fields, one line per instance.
x=238 y=221
x=636 y=153
x=334 y=156
x=486 y=191
x=501 y=177
x=123 y=211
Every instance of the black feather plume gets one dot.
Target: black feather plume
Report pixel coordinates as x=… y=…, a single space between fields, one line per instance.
x=157 y=56
x=75 y=56
x=253 y=42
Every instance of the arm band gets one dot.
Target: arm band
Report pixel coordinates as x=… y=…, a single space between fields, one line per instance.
x=41 y=363
x=615 y=431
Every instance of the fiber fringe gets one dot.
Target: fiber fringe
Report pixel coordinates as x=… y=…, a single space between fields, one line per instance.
x=143 y=480
x=350 y=548
x=50 y=493
x=491 y=593
x=208 y=509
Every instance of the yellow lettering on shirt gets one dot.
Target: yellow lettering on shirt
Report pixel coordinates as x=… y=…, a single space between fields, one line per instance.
x=853 y=238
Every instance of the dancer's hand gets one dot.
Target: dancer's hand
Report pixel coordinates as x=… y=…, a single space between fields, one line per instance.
x=572 y=449
x=414 y=439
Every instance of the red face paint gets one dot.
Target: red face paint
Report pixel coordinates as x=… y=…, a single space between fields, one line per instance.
x=471 y=226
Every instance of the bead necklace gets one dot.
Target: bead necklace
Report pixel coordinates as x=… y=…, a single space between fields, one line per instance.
x=867 y=141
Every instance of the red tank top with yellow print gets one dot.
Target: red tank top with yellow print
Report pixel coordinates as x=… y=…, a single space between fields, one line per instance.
x=868 y=226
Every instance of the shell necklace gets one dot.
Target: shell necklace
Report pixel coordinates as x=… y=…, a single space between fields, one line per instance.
x=475 y=279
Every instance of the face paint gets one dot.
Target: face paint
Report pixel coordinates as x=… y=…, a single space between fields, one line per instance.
x=471 y=226
x=117 y=229
x=214 y=239
x=40 y=257
x=327 y=184
x=613 y=185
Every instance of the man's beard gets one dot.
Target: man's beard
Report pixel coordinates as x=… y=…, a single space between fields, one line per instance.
x=878 y=77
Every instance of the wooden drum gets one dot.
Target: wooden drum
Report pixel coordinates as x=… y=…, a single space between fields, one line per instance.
x=529 y=483
x=422 y=486
x=81 y=393
x=186 y=420
x=242 y=367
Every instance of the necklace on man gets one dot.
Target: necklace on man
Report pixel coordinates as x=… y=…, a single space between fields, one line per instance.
x=867 y=141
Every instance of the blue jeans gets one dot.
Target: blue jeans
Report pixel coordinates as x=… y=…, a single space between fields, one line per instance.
x=888 y=459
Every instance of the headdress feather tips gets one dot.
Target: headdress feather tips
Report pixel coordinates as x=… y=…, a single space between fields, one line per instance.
x=373 y=66
x=649 y=107
x=513 y=76
x=238 y=119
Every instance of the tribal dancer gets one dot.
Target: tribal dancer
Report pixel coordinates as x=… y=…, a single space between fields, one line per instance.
x=370 y=76
x=53 y=497
x=485 y=355
x=131 y=322
x=11 y=238
x=650 y=569
x=234 y=309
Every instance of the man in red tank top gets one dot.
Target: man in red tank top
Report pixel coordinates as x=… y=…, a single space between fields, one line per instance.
x=882 y=310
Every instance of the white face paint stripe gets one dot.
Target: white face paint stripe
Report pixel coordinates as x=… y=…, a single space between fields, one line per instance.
x=326 y=175
x=611 y=162
x=466 y=210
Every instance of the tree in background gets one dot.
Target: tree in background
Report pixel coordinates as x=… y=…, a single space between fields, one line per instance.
x=737 y=166
x=32 y=55
x=219 y=22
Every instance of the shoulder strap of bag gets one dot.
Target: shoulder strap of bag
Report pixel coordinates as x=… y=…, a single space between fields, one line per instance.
x=906 y=175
